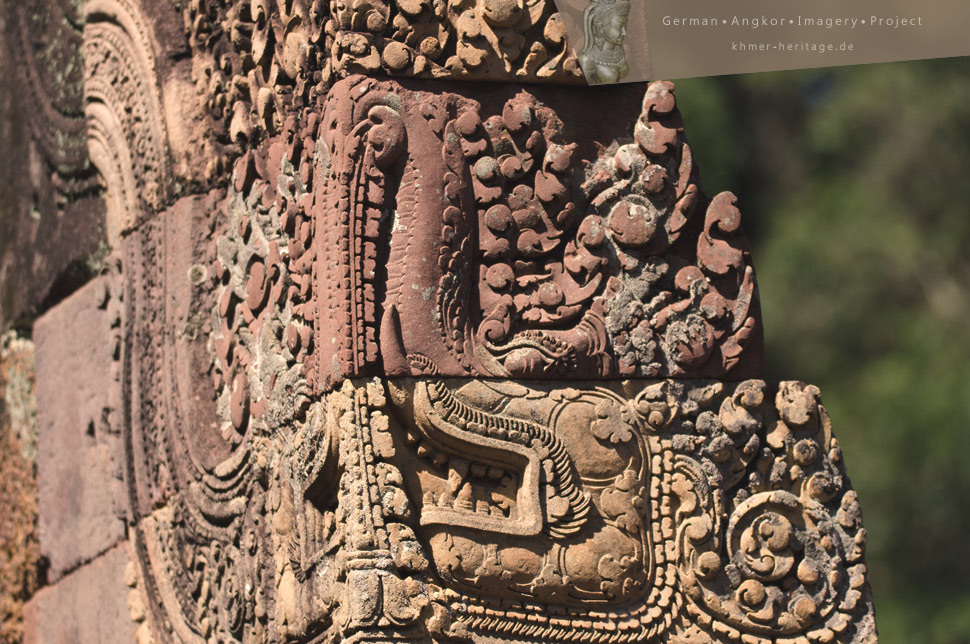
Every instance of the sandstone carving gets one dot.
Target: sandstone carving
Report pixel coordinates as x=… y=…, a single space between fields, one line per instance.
x=126 y=127
x=45 y=42
x=489 y=247
x=407 y=358
x=642 y=511
x=254 y=62
x=310 y=503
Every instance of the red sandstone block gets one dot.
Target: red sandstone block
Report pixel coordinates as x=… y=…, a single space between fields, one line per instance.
x=88 y=606
x=79 y=442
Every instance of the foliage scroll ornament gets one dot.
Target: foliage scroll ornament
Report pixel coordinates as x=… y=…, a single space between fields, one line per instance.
x=257 y=61
x=414 y=321
x=442 y=362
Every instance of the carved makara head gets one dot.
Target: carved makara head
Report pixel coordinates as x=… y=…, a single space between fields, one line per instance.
x=452 y=362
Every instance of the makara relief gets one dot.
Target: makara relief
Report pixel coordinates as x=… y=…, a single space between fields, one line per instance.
x=425 y=339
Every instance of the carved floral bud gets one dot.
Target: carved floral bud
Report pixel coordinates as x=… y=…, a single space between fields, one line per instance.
x=805 y=610
x=396 y=55
x=806 y=452
x=293 y=338
x=708 y=565
x=257 y=287
x=808 y=573
x=494 y=248
x=654 y=179
x=707 y=423
x=239 y=402
x=591 y=232
x=527 y=218
x=750 y=394
x=625 y=159
x=498 y=218
x=469 y=24
x=822 y=487
x=529 y=244
x=486 y=169
x=751 y=593
x=797 y=403
x=430 y=47
x=468 y=123
x=294 y=48
x=550 y=295
x=516 y=116
x=652 y=135
x=511 y=166
x=721 y=449
x=499 y=277
x=657 y=413
x=689 y=342
x=735 y=414
x=633 y=224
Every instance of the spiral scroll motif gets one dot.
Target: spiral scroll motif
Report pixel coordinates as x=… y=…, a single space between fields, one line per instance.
x=787 y=560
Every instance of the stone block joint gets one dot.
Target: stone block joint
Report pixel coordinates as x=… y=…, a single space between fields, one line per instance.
x=430 y=351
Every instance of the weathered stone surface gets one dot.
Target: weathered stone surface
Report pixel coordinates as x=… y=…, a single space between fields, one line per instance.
x=88 y=605
x=78 y=428
x=642 y=510
x=169 y=274
x=255 y=63
x=408 y=359
x=409 y=232
x=567 y=505
x=144 y=125
x=51 y=217
x=19 y=552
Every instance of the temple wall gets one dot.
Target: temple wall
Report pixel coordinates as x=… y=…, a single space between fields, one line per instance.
x=323 y=314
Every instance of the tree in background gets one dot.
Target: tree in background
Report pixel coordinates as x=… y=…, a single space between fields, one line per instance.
x=855 y=191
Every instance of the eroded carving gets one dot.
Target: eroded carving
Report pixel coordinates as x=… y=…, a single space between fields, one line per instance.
x=257 y=63
x=45 y=46
x=659 y=511
x=613 y=266
x=439 y=363
x=126 y=133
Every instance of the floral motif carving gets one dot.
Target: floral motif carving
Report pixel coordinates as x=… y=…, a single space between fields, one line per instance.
x=616 y=266
x=439 y=362
x=661 y=511
x=126 y=136
x=257 y=63
x=45 y=46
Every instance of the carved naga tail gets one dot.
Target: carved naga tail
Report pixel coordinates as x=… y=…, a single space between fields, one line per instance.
x=535 y=451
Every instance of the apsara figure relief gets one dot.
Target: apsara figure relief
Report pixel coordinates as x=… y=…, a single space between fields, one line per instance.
x=603 y=59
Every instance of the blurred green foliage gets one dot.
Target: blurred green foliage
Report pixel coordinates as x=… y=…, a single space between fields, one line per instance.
x=855 y=191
